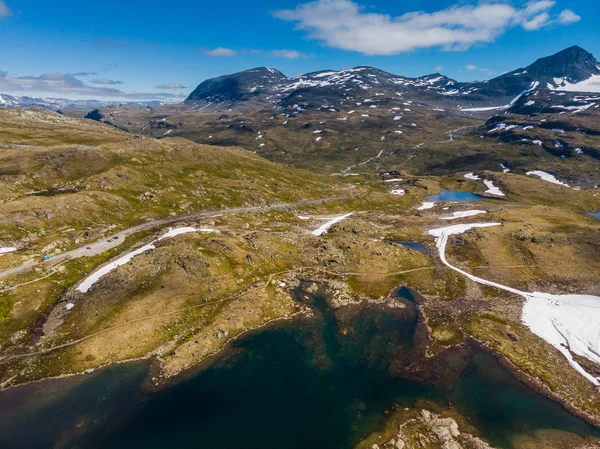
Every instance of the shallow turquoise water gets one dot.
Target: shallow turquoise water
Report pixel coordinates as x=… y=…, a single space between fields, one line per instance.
x=304 y=386
x=594 y=214
x=451 y=196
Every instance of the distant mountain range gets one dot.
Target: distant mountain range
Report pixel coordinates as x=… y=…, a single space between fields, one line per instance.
x=10 y=101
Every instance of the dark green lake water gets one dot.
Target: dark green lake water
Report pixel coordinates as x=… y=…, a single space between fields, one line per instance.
x=415 y=246
x=304 y=386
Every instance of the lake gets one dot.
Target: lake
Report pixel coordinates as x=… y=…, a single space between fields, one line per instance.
x=316 y=383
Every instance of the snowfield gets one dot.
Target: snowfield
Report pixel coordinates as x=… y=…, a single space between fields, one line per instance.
x=492 y=189
x=426 y=205
x=546 y=177
x=592 y=84
x=567 y=322
x=464 y=213
x=7 y=250
x=95 y=277
x=325 y=227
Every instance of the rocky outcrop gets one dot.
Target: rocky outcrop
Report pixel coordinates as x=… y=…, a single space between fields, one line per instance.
x=429 y=430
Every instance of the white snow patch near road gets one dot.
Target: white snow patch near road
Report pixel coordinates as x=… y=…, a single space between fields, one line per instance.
x=464 y=213
x=95 y=277
x=472 y=176
x=326 y=226
x=7 y=250
x=546 y=177
x=567 y=322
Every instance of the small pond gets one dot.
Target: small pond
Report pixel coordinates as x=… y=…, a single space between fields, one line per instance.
x=594 y=214
x=451 y=196
x=53 y=192
x=415 y=246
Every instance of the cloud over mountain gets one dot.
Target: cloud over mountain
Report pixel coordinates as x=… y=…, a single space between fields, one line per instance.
x=171 y=86
x=221 y=52
x=345 y=25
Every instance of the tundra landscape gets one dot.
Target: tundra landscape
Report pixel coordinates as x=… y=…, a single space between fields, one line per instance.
x=344 y=258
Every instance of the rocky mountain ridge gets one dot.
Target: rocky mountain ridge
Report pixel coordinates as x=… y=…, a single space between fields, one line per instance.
x=331 y=89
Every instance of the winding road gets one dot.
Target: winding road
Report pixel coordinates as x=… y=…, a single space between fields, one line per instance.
x=104 y=245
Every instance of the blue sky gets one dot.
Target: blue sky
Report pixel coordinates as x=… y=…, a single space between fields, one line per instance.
x=125 y=49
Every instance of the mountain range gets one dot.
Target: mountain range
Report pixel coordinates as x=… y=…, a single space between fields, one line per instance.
x=573 y=69
x=543 y=115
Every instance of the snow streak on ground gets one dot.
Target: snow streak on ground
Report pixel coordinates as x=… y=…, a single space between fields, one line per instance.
x=567 y=322
x=398 y=192
x=547 y=177
x=7 y=250
x=492 y=189
x=426 y=205
x=325 y=227
x=464 y=213
x=95 y=277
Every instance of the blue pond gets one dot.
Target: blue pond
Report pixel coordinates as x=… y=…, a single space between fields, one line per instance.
x=595 y=214
x=452 y=196
x=415 y=246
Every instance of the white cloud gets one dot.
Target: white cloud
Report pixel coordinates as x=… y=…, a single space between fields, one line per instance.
x=66 y=84
x=539 y=6
x=568 y=16
x=4 y=10
x=439 y=68
x=221 y=52
x=106 y=81
x=344 y=24
x=537 y=22
x=288 y=54
x=473 y=68
x=171 y=86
